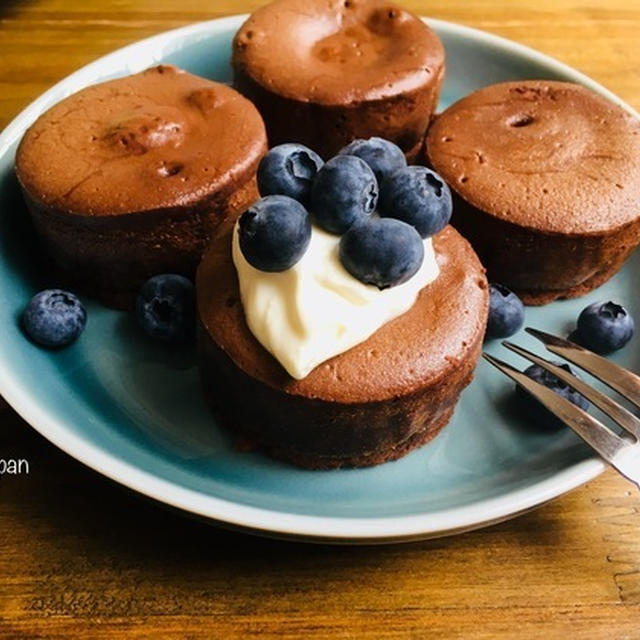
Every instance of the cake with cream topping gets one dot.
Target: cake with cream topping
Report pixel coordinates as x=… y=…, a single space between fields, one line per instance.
x=129 y=178
x=327 y=354
x=372 y=403
x=323 y=72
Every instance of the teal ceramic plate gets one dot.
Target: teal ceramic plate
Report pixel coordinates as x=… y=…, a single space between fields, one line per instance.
x=132 y=410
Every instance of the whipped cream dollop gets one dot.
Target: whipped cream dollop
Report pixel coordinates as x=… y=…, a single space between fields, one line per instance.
x=317 y=309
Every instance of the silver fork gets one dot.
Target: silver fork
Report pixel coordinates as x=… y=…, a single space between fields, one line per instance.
x=621 y=452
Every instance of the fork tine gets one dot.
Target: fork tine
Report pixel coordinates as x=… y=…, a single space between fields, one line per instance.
x=615 y=411
x=624 y=382
x=592 y=431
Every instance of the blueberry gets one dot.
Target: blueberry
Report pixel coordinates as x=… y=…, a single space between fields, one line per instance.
x=506 y=312
x=537 y=411
x=604 y=327
x=381 y=251
x=383 y=156
x=417 y=196
x=288 y=170
x=165 y=308
x=54 y=318
x=274 y=233
x=344 y=191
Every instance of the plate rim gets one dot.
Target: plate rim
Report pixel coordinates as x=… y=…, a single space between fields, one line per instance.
x=333 y=529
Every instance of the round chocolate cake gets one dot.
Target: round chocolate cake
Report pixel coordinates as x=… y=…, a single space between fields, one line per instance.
x=370 y=404
x=323 y=72
x=129 y=178
x=546 y=183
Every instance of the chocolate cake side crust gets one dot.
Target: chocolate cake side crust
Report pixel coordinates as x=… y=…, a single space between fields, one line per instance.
x=323 y=73
x=110 y=257
x=543 y=267
x=403 y=119
x=317 y=434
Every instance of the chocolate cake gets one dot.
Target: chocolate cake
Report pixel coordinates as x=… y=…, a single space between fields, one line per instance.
x=370 y=404
x=546 y=183
x=323 y=72
x=129 y=178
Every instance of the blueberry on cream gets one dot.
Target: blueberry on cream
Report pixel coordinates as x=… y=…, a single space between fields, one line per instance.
x=382 y=251
x=383 y=156
x=288 y=170
x=344 y=192
x=417 y=196
x=274 y=233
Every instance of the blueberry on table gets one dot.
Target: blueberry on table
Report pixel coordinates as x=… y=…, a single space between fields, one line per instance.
x=288 y=170
x=344 y=192
x=381 y=251
x=417 y=196
x=535 y=408
x=506 y=312
x=165 y=308
x=274 y=233
x=383 y=156
x=604 y=327
x=54 y=318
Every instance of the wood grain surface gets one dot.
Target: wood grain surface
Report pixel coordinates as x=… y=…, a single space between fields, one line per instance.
x=80 y=557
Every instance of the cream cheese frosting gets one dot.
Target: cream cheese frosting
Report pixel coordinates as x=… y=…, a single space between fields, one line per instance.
x=316 y=309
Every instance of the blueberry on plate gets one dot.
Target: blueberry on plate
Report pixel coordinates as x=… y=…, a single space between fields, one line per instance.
x=383 y=156
x=288 y=170
x=54 y=318
x=166 y=307
x=506 y=312
x=419 y=197
x=344 y=191
x=536 y=410
x=274 y=233
x=604 y=327
x=381 y=251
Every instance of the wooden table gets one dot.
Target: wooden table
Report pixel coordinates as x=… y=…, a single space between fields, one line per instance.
x=80 y=557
